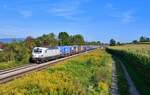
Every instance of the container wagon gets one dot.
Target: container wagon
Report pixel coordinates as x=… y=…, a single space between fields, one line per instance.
x=84 y=48
x=76 y=49
x=65 y=50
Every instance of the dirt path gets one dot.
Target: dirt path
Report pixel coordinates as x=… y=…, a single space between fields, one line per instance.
x=114 y=88
x=132 y=88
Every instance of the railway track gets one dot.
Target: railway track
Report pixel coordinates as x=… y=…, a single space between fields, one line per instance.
x=6 y=76
x=14 y=67
x=17 y=68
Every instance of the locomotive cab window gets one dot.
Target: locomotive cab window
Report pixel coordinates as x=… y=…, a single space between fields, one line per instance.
x=37 y=50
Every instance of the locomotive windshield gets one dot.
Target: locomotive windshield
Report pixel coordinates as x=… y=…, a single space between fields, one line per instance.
x=37 y=50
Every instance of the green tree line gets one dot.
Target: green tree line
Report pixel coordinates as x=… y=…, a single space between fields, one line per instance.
x=142 y=39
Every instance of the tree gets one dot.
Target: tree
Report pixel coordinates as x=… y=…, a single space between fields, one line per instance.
x=118 y=43
x=94 y=43
x=77 y=40
x=144 y=39
x=147 y=39
x=134 y=41
x=98 y=43
x=71 y=40
x=112 y=42
x=30 y=43
x=63 y=38
x=22 y=55
x=47 y=40
x=16 y=51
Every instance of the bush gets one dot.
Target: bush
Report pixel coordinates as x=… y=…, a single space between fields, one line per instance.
x=14 y=54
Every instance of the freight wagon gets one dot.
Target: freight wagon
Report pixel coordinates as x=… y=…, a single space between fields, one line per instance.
x=76 y=49
x=65 y=50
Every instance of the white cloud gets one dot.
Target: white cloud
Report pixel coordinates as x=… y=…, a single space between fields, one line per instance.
x=124 y=16
x=26 y=13
x=67 y=8
x=127 y=17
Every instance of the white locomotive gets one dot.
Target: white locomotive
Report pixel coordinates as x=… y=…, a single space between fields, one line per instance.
x=43 y=54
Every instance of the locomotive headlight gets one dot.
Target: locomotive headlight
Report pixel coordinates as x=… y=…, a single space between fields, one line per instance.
x=41 y=56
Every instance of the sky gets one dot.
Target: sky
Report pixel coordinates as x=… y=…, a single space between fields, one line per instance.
x=96 y=20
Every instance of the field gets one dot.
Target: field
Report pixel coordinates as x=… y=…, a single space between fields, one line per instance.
x=139 y=49
x=136 y=58
x=88 y=74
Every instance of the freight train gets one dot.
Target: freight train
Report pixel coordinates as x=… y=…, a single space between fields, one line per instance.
x=45 y=54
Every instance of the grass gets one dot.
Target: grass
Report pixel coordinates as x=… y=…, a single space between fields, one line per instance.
x=88 y=74
x=122 y=82
x=141 y=85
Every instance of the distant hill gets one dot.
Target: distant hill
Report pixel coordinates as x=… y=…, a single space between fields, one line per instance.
x=9 y=40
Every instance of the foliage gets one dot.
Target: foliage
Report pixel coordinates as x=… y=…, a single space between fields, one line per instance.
x=137 y=57
x=94 y=43
x=134 y=41
x=63 y=38
x=138 y=79
x=66 y=39
x=7 y=65
x=14 y=52
x=29 y=43
x=122 y=82
x=88 y=74
x=112 y=42
x=47 y=40
x=144 y=39
x=77 y=39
